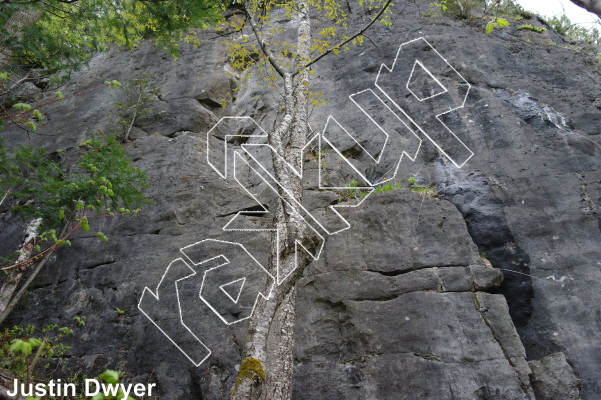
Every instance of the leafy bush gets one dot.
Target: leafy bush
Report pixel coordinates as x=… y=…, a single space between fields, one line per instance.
x=23 y=349
x=101 y=184
x=30 y=355
x=510 y=9
x=139 y=94
x=460 y=9
x=41 y=188
x=564 y=26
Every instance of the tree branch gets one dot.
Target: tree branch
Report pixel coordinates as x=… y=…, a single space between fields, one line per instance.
x=593 y=6
x=343 y=43
x=270 y=56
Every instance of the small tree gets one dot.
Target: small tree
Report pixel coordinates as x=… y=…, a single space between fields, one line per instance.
x=266 y=372
x=58 y=203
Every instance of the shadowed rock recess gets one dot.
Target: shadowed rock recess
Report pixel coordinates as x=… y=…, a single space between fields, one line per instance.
x=490 y=291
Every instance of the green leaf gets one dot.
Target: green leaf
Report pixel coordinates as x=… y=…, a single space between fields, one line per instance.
x=15 y=345
x=22 y=106
x=99 y=396
x=101 y=236
x=489 y=27
x=112 y=84
x=503 y=23
x=84 y=224
x=110 y=376
x=34 y=342
x=65 y=330
x=59 y=94
x=19 y=345
x=31 y=125
x=37 y=115
x=49 y=191
x=26 y=348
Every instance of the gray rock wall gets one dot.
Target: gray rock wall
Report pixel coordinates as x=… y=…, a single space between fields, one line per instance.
x=401 y=306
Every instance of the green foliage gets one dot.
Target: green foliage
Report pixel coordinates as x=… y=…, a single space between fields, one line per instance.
x=48 y=40
x=22 y=353
x=497 y=22
x=564 y=26
x=334 y=29
x=387 y=187
x=459 y=9
x=119 y=311
x=427 y=192
x=138 y=96
x=22 y=349
x=531 y=28
x=41 y=188
x=111 y=378
x=66 y=33
x=351 y=188
x=510 y=9
x=477 y=10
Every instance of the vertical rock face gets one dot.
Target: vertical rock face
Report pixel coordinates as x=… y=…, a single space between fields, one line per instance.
x=390 y=320
x=400 y=306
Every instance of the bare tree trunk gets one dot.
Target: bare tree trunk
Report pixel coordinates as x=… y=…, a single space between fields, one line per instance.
x=266 y=371
x=11 y=283
x=280 y=361
x=267 y=368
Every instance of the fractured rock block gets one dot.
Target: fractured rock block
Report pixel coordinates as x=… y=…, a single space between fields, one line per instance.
x=553 y=378
x=485 y=278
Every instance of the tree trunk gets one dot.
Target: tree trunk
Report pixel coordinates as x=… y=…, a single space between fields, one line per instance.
x=267 y=368
x=268 y=364
x=11 y=283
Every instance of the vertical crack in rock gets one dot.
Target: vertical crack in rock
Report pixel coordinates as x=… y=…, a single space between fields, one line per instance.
x=487 y=225
x=503 y=331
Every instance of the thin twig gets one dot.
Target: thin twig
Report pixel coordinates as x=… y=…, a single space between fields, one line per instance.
x=270 y=56
x=343 y=43
x=5 y=196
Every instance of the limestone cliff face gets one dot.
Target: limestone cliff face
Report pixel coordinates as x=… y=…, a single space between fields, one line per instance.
x=401 y=305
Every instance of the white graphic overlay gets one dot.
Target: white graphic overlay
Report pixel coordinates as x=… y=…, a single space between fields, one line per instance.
x=221 y=280
x=443 y=90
